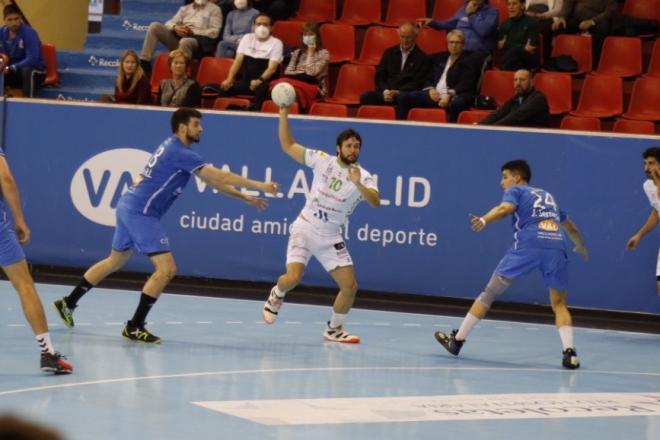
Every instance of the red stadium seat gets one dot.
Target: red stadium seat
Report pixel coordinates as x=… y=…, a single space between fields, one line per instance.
x=290 y=32
x=577 y=123
x=315 y=10
x=498 y=84
x=212 y=70
x=159 y=72
x=621 y=56
x=353 y=80
x=645 y=100
x=360 y=12
x=427 y=115
x=399 y=11
x=52 y=76
x=223 y=103
x=601 y=97
x=654 y=65
x=376 y=112
x=270 y=107
x=576 y=46
x=327 y=109
x=339 y=40
x=634 y=127
x=376 y=40
x=432 y=41
x=557 y=88
x=472 y=116
x=445 y=9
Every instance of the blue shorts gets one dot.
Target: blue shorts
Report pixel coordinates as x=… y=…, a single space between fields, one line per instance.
x=135 y=230
x=11 y=250
x=553 y=264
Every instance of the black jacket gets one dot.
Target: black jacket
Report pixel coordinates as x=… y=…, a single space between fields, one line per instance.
x=532 y=112
x=389 y=75
x=461 y=76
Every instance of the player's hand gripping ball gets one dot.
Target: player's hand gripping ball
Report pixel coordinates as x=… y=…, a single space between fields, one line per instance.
x=283 y=94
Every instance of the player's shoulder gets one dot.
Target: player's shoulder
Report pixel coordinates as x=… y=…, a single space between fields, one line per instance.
x=649 y=186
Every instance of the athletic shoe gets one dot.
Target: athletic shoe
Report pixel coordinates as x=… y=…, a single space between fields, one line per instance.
x=140 y=334
x=449 y=342
x=570 y=359
x=339 y=335
x=55 y=363
x=271 y=307
x=65 y=312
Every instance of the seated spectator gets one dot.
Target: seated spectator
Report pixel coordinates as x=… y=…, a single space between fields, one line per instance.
x=591 y=17
x=195 y=28
x=546 y=12
x=257 y=58
x=239 y=22
x=402 y=68
x=179 y=91
x=307 y=71
x=132 y=85
x=528 y=108
x=519 y=38
x=278 y=9
x=451 y=84
x=22 y=46
x=477 y=19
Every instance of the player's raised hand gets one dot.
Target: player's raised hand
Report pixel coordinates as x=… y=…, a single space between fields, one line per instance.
x=258 y=202
x=270 y=187
x=354 y=173
x=478 y=223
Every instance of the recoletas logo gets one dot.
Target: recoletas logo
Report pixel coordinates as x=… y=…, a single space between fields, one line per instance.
x=99 y=182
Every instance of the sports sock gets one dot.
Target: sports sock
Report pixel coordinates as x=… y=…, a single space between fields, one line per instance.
x=278 y=292
x=44 y=343
x=82 y=288
x=466 y=326
x=142 y=310
x=337 y=319
x=566 y=335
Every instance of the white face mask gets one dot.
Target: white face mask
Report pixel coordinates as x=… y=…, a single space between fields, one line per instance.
x=262 y=32
x=240 y=4
x=201 y=2
x=309 y=40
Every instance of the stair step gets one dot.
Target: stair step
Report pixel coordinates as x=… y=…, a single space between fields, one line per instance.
x=114 y=40
x=135 y=7
x=94 y=58
x=129 y=24
x=88 y=78
x=72 y=93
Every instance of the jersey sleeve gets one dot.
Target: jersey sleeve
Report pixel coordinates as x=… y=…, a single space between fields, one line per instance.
x=368 y=180
x=314 y=157
x=190 y=161
x=512 y=196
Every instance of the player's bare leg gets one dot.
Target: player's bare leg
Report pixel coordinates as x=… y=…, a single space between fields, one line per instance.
x=345 y=279
x=564 y=324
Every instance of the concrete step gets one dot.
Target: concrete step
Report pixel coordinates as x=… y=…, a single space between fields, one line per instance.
x=94 y=58
x=72 y=93
x=140 y=7
x=88 y=78
x=115 y=40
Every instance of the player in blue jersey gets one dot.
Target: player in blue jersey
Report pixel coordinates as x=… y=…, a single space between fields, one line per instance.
x=538 y=244
x=12 y=260
x=138 y=217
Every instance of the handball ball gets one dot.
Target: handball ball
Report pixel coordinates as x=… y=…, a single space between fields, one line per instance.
x=283 y=94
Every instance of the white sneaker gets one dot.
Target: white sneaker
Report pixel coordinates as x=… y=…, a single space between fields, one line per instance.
x=271 y=307
x=339 y=335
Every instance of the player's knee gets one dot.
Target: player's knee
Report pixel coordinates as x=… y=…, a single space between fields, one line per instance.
x=167 y=271
x=351 y=288
x=558 y=302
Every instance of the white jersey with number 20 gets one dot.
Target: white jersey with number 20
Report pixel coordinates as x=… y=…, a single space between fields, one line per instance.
x=333 y=196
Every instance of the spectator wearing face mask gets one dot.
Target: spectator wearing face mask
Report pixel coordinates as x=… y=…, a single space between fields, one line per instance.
x=307 y=71
x=258 y=56
x=239 y=22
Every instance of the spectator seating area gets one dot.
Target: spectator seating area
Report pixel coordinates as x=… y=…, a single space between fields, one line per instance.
x=621 y=93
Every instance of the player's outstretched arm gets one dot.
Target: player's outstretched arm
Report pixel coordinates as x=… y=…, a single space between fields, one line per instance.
x=497 y=213
x=574 y=234
x=258 y=202
x=287 y=142
x=13 y=199
x=651 y=223
x=219 y=179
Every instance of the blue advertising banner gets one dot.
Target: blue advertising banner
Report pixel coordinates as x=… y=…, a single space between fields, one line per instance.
x=73 y=161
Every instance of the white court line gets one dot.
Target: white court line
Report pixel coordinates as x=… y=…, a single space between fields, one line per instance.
x=173 y=322
x=83 y=324
x=293 y=322
x=411 y=324
x=114 y=323
x=316 y=370
x=15 y=325
x=203 y=322
x=233 y=322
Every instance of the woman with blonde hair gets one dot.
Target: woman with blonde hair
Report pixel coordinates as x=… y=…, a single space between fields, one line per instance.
x=180 y=90
x=132 y=84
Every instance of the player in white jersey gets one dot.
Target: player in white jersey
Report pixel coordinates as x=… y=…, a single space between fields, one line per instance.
x=339 y=184
x=651 y=158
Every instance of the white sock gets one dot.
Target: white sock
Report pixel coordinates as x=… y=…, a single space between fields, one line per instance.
x=278 y=292
x=44 y=343
x=466 y=326
x=566 y=335
x=337 y=319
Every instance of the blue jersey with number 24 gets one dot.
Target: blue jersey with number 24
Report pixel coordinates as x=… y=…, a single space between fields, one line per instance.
x=536 y=221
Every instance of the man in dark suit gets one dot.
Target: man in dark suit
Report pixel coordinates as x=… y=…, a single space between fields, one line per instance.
x=528 y=108
x=402 y=68
x=451 y=84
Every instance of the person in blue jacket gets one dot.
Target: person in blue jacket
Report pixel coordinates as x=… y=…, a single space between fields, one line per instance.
x=477 y=19
x=22 y=46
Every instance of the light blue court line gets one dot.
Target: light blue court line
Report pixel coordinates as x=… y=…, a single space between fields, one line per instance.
x=218 y=350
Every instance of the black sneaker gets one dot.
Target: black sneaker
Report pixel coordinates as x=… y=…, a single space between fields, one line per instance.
x=139 y=333
x=65 y=312
x=55 y=363
x=449 y=342
x=570 y=359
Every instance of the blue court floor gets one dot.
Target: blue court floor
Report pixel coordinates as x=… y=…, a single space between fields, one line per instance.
x=221 y=373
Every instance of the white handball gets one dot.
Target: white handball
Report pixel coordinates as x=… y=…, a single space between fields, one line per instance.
x=283 y=94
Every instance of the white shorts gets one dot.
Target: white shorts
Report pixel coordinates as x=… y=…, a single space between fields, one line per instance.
x=305 y=241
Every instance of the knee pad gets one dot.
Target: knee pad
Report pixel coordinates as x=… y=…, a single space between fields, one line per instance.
x=495 y=287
